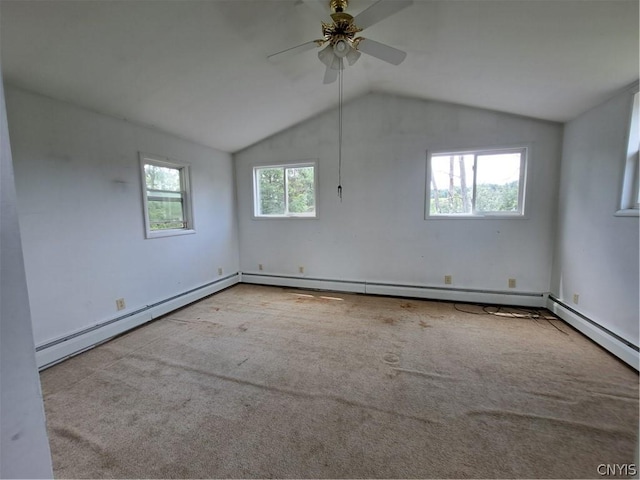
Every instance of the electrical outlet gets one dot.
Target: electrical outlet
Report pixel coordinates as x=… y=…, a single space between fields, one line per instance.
x=301 y=269
x=120 y=305
x=260 y=267
x=576 y=298
x=219 y=270
x=512 y=283
x=448 y=279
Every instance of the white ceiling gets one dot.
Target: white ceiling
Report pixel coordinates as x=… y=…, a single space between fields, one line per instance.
x=199 y=69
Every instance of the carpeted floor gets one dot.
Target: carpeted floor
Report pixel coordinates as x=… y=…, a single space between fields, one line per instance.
x=263 y=382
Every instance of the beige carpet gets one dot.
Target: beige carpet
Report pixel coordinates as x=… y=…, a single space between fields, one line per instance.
x=269 y=382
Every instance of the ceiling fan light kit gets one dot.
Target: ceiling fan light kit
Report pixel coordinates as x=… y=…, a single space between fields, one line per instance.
x=340 y=35
x=342 y=42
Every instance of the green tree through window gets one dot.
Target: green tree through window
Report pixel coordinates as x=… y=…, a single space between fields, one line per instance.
x=167 y=196
x=477 y=183
x=285 y=191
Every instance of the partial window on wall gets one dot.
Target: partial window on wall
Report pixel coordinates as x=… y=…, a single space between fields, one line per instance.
x=630 y=200
x=285 y=191
x=476 y=183
x=166 y=197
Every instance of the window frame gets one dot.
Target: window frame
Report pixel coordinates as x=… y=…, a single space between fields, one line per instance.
x=186 y=193
x=630 y=194
x=284 y=165
x=523 y=149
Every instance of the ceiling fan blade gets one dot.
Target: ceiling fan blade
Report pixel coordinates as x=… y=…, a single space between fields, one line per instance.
x=379 y=11
x=330 y=75
x=319 y=7
x=293 y=50
x=382 y=51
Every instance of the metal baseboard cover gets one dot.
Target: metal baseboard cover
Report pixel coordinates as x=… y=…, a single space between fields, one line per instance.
x=614 y=343
x=54 y=351
x=529 y=299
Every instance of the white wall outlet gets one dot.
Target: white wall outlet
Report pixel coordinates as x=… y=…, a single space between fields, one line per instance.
x=576 y=298
x=219 y=270
x=260 y=267
x=448 y=279
x=301 y=269
x=512 y=283
x=120 y=305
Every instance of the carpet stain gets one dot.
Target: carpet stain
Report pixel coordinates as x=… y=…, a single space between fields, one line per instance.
x=424 y=324
x=389 y=320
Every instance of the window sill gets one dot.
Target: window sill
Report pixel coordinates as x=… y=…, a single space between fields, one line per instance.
x=628 y=212
x=476 y=217
x=169 y=233
x=285 y=217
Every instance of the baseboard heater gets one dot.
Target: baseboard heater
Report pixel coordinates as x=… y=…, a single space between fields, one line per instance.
x=54 y=351
x=499 y=297
x=614 y=343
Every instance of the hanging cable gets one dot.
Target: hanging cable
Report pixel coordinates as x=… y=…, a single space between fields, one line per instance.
x=340 y=130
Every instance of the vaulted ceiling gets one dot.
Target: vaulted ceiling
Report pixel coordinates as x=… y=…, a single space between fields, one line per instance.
x=199 y=69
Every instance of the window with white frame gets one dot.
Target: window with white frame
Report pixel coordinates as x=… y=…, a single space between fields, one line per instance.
x=476 y=183
x=166 y=196
x=630 y=201
x=284 y=191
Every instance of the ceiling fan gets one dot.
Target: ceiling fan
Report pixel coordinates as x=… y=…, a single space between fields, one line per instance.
x=339 y=34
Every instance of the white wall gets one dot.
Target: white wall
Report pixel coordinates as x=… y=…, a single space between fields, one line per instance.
x=378 y=233
x=24 y=447
x=80 y=205
x=597 y=252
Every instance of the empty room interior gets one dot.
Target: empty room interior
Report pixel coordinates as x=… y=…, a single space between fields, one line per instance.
x=319 y=239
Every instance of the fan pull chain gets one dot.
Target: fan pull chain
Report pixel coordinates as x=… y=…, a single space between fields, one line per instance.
x=340 y=131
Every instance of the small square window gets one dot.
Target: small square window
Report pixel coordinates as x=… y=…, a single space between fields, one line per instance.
x=476 y=183
x=167 y=205
x=284 y=191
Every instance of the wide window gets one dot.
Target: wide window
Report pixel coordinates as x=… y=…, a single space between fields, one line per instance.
x=285 y=190
x=476 y=183
x=167 y=205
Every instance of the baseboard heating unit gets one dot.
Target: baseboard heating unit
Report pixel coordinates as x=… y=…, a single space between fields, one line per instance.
x=55 y=351
x=618 y=346
x=499 y=297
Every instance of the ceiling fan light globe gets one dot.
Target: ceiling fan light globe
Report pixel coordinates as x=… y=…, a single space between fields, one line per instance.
x=352 y=56
x=326 y=55
x=341 y=48
x=336 y=64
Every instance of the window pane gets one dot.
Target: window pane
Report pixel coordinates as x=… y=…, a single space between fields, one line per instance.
x=271 y=191
x=497 y=182
x=166 y=210
x=451 y=184
x=301 y=190
x=162 y=178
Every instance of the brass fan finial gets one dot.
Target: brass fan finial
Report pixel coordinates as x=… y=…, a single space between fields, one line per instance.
x=338 y=6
